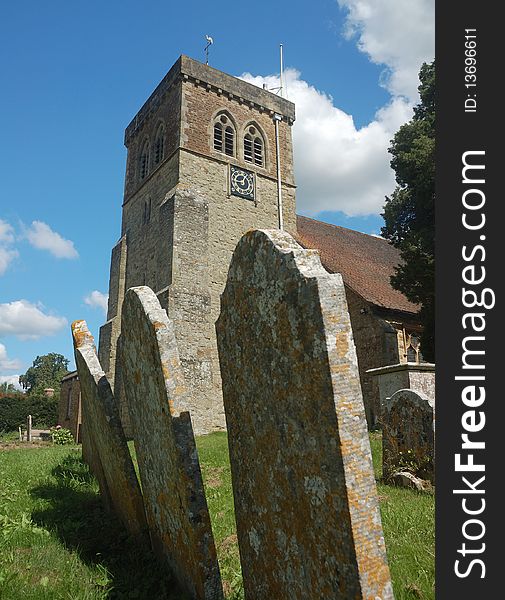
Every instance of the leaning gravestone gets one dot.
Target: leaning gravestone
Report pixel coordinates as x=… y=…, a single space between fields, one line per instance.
x=408 y=434
x=306 y=506
x=107 y=450
x=158 y=402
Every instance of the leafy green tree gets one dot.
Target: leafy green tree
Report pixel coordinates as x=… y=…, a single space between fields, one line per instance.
x=46 y=371
x=409 y=213
x=6 y=387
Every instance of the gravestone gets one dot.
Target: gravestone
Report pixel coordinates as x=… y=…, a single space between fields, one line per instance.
x=29 y=428
x=306 y=506
x=107 y=450
x=408 y=434
x=158 y=402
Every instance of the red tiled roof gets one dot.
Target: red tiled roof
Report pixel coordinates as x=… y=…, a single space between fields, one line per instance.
x=366 y=262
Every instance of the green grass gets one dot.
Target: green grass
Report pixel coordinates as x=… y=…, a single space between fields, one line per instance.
x=56 y=541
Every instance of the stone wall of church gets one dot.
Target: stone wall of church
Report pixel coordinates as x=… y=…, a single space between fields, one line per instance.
x=376 y=346
x=199 y=108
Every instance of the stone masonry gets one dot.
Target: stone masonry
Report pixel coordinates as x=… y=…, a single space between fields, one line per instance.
x=180 y=220
x=419 y=377
x=159 y=401
x=69 y=407
x=306 y=505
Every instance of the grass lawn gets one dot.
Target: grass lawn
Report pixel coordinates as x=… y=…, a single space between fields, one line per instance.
x=57 y=543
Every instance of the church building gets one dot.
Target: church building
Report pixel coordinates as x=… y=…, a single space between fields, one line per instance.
x=209 y=157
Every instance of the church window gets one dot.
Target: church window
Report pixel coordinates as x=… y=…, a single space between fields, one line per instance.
x=144 y=161
x=218 y=137
x=253 y=147
x=224 y=136
x=159 y=145
x=413 y=352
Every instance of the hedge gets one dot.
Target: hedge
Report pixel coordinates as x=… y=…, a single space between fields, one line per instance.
x=14 y=412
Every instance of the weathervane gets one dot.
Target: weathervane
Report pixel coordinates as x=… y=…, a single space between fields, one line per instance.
x=210 y=41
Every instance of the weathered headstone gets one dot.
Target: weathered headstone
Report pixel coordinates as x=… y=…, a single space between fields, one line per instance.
x=29 y=428
x=107 y=448
x=408 y=434
x=306 y=505
x=158 y=402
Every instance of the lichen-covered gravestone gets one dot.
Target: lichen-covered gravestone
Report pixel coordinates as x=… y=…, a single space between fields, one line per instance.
x=306 y=506
x=158 y=402
x=408 y=434
x=106 y=443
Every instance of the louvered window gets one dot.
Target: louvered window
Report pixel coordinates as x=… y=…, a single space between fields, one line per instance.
x=248 y=148
x=224 y=136
x=258 y=152
x=228 y=141
x=218 y=137
x=144 y=161
x=253 y=147
x=159 y=146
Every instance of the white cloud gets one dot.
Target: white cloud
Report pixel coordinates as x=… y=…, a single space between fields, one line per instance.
x=41 y=236
x=397 y=34
x=27 y=321
x=6 y=363
x=14 y=379
x=337 y=166
x=6 y=232
x=97 y=300
x=7 y=254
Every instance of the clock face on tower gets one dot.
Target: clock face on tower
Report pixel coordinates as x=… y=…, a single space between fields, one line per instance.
x=242 y=183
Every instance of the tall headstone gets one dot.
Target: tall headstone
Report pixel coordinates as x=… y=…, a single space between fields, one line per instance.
x=306 y=505
x=408 y=434
x=29 y=428
x=158 y=403
x=107 y=450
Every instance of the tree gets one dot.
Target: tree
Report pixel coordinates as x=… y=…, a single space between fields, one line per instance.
x=6 y=387
x=45 y=372
x=409 y=213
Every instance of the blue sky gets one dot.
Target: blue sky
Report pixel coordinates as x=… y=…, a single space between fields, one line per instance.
x=75 y=73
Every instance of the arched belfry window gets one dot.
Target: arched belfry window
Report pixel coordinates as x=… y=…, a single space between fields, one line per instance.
x=224 y=135
x=254 y=151
x=159 y=145
x=144 y=161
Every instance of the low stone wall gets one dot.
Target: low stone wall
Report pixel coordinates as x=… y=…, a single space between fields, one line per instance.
x=419 y=377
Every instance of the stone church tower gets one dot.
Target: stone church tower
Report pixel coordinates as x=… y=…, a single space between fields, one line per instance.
x=201 y=170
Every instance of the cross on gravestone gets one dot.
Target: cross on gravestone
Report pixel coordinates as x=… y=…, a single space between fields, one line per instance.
x=306 y=505
x=158 y=402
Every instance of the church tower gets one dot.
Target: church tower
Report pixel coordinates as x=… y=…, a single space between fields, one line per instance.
x=202 y=168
